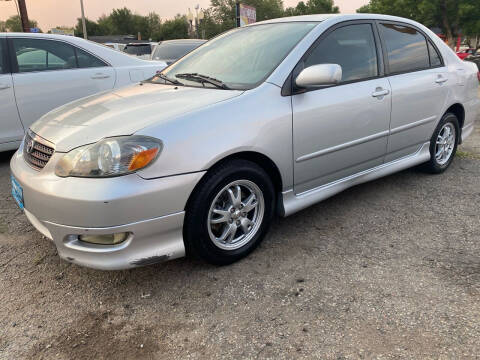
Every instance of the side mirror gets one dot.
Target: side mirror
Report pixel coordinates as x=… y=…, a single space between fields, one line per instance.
x=319 y=75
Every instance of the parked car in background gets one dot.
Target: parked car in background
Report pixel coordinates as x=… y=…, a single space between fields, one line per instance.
x=172 y=50
x=264 y=119
x=475 y=58
x=116 y=46
x=140 y=50
x=39 y=72
x=464 y=53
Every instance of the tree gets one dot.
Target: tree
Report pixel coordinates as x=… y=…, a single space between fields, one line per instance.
x=470 y=18
x=14 y=24
x=3 y=26
x=313 y=7
x=122 y=21
x=451 y=16
x=152 y=24
x=174 y=29
x=92 y=28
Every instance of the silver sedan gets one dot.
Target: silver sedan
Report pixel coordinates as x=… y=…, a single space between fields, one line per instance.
x=262 y=120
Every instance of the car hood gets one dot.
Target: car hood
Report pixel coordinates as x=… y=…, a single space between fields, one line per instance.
x=122 y=112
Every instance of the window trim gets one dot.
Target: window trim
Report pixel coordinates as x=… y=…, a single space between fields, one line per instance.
x=6 y=59
x=14 y=63
x=289 y=87
x=427 y=40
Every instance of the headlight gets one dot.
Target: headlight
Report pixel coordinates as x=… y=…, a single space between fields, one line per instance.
x=110 y=157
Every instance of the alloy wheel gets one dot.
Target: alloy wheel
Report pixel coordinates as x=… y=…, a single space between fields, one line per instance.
x=236 y=214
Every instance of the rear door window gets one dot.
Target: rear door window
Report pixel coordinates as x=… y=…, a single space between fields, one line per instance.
x=43 y=55
x=406 y=48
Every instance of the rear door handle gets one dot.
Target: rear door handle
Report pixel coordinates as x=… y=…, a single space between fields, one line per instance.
x=4 y=86
x=441 y=80
x=100 y=76
x=379 y=92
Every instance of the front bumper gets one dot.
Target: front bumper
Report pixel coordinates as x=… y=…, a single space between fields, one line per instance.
x=64 y=208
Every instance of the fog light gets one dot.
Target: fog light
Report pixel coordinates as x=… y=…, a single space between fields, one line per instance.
x=107 y=239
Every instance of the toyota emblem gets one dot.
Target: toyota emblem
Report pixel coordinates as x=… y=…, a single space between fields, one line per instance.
x=29 y=146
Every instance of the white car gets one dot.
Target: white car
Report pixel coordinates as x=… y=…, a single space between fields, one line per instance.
x=116 y=46
x=39 y=72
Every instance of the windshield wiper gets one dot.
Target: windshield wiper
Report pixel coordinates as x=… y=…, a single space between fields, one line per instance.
x=203 y=79
x=166 y=78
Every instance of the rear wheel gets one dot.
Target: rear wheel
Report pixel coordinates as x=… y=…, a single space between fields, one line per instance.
x=443 y=144
x=229 y=212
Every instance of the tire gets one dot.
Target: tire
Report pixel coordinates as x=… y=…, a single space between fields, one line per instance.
x=438 y=164
x=209 y=215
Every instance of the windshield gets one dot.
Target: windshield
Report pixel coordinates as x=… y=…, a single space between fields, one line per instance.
x=138 y=49
x=171 y=51
x=241 y=58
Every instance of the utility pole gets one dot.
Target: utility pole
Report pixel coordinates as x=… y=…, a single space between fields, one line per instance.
x=22 y=8
x=84 y=25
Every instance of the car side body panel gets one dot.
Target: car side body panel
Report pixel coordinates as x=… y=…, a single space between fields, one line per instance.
x=236 y=125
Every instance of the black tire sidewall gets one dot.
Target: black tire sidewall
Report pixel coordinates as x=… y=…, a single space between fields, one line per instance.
x=433 y=165
x=196 y=234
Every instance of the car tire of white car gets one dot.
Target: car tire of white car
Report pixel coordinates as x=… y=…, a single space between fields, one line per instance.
x=238 y=195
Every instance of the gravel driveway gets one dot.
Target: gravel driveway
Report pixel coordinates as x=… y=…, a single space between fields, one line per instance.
x=389 y=269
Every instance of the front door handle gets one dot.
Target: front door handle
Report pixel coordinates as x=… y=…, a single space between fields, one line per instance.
x=4 y=86
x=100 y=76
x=379 y=92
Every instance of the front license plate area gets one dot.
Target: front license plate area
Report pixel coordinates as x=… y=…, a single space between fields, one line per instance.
x=17 y=192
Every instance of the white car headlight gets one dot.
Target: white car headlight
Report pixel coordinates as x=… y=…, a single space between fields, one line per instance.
x=110 y=157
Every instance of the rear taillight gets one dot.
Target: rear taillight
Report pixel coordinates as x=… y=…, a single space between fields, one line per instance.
x=478 y=76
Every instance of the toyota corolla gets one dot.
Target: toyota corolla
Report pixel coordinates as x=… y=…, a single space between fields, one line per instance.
x=262 y=120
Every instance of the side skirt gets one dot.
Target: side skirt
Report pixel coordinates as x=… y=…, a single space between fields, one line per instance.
x=293 y=203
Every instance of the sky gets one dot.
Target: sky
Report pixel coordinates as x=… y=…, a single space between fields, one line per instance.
x=52 y=13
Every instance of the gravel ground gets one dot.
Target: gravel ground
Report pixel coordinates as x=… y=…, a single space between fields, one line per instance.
x=389 y=269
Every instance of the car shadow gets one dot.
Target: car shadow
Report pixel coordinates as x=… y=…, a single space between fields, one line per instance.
x=5 y=157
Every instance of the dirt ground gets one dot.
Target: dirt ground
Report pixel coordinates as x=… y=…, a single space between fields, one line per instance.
x=389 y=269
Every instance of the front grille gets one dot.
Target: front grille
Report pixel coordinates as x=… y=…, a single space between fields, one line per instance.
x=36 y=151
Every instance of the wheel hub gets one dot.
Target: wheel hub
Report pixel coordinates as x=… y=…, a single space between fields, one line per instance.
x=236 y=214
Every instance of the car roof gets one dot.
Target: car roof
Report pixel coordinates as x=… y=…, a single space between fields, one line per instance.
x=140 y=43
x=113 y=57
x=184 y=41
x=334 y=18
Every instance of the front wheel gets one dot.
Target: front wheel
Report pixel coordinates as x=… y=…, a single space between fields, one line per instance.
x=443 y=144
x=229 y=212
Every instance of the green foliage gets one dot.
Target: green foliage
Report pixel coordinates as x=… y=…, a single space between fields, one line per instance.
x=173 y=29
x=454 y=17
x=13 y=24
x=313 y=7
x=92 y=28
x=124 y=22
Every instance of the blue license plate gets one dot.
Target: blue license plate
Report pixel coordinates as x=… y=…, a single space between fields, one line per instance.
x=17 y=192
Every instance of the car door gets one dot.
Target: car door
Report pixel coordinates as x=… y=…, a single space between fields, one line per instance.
x=11 y=129
x=419 y=82
x=341 y=130
x=49 y=73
